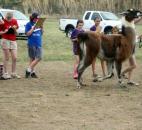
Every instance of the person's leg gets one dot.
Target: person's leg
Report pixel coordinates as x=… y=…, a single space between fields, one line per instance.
x=31 y=59
x=30 y=70
x=29 y=66
x=34 y=63
x=37 y=59
x=5 y=47
x=13 y=52
x=132 y=62
x=132 y=65
x=75 y=74
x=5 y=64
x=14 y=58
x=94 y=67
x=35 y=55
x=5 y=59
x=129 y=70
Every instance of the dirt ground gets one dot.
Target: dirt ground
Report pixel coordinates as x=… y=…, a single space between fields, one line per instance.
x=52 y=102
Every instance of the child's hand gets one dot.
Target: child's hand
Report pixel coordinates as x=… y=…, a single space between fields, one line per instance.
x=14 y=27
x=5 y=31
x=33 y=27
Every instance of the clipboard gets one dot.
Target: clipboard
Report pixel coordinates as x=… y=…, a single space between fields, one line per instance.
x=40 y=22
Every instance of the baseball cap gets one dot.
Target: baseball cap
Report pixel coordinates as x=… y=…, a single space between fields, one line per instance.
x=35 y=15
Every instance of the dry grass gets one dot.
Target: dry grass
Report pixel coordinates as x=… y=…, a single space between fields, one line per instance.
x=73 y=7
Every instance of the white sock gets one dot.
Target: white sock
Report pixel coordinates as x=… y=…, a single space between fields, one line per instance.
x=29 y=69
x=33 y=71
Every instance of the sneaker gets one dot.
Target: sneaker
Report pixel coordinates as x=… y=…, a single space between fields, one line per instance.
x=6 y=76
x=14 y=75
x=97 y=76
x=27 y=74
x=33 y=75
x=132 y=83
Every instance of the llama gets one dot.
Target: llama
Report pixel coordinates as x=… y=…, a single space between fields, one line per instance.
x=112 y=48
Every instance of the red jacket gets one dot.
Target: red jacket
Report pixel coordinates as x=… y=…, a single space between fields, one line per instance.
x=7 y=25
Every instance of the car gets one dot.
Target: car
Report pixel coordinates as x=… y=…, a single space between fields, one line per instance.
x=108 y=21
x=21 y=18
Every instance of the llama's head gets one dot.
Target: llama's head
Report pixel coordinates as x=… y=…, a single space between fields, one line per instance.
x=131 y=14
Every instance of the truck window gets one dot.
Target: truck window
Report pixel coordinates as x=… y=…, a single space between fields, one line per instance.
x=95 y=15
x=87 y=16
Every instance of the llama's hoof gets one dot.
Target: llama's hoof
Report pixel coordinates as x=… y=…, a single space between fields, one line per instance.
x=122 y=84
x=83 y=84
x=78 y=85
x=100 y=79
x=107 y=76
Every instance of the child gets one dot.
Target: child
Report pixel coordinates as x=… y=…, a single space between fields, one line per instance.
x=132 y=60
x=9 y=44
x=97 y=28
x=34 y=45
x=115 y=30
x=76 y=47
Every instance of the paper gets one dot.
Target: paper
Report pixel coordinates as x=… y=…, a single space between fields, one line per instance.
x=40 y=22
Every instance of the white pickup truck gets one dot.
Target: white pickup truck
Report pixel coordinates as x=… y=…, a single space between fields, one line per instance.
x=108 y=20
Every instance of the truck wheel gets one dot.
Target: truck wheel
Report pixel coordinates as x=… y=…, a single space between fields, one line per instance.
x=69 y=32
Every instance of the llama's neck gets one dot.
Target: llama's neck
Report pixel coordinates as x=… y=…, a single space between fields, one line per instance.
x=128 y=24
x=131 y=32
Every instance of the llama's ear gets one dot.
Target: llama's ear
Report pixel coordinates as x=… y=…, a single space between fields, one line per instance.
x=131 y=10
x=139 y=13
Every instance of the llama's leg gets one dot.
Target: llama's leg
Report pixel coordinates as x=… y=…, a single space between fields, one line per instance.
x=109 y=69
x=81 y=68
x=118 y=66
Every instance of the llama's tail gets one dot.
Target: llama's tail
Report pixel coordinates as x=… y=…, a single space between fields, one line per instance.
x=82 y=38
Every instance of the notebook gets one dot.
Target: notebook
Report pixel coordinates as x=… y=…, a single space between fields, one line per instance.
x=40 y=22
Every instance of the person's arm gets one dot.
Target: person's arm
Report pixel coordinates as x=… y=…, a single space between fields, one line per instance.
x=1 y=21
x=2 y=32
x=29 y=30
x=4 y=29
x=73 y=36
x=15 y=26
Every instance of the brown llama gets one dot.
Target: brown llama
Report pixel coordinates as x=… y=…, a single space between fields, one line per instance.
x=112 y=48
